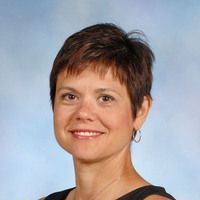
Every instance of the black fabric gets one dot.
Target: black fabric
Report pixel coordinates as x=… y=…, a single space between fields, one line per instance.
x=143 y=192
x=138 y=194
x=59 y=195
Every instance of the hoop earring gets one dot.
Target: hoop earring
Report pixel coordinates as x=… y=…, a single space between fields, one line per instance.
x=137 y=136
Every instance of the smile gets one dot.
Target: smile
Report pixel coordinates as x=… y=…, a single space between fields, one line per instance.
x=85 y=134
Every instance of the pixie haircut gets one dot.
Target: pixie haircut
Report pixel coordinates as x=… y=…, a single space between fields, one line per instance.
x=106 y=46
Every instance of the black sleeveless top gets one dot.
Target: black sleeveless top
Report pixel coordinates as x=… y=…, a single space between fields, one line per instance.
x=138 y=194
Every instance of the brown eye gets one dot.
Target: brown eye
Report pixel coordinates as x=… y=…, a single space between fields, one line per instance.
x=69 y=98
x=106 y=98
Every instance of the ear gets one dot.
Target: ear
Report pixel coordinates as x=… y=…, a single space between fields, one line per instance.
x=142 y=113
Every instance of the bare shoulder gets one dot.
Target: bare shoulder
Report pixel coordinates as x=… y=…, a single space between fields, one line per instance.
x=156 y=197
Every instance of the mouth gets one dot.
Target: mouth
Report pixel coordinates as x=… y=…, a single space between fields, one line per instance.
x=85 y=134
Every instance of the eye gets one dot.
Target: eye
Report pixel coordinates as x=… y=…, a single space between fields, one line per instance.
x=106 y=99
x=69 y=98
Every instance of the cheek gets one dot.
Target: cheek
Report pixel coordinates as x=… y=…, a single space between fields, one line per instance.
x=120 y=119
x=61 y=121
x=58 y=117
x=125 y=122
x=125 y=115
x=61 y=117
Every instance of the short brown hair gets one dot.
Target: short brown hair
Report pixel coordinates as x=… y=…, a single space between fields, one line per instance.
x=107 y=46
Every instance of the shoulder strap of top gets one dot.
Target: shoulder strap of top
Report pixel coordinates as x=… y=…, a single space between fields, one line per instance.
x=59 y=195
x=138 y=194
x=145 y=191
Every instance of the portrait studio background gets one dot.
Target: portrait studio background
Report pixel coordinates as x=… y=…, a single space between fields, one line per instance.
x=32 y=32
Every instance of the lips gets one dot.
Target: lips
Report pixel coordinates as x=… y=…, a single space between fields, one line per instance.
x=84 y=134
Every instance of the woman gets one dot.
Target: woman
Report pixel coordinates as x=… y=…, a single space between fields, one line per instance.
x=100 y=92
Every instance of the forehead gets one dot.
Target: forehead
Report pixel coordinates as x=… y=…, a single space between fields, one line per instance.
x=101 y=75
x=99 y=68
x=90 y=75
x=90 y=80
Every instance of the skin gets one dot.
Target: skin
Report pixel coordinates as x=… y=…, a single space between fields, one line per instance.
x=102 y=159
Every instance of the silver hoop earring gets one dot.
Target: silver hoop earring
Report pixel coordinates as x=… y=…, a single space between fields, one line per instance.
x=137 y=136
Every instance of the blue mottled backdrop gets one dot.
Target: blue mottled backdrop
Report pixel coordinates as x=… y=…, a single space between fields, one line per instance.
x=31 y=33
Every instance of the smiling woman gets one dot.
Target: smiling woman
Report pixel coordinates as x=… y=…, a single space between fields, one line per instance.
x=92 y=121
x=100 y=87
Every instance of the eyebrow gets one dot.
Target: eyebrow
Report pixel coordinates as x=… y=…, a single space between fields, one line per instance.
x=99 y=90
x=67 y=88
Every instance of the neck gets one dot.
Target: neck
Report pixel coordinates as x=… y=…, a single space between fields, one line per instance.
x=95 y=179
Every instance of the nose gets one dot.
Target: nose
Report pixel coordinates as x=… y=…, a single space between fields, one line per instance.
x=85 y=112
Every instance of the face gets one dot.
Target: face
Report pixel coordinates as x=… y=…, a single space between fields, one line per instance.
x=92 y=115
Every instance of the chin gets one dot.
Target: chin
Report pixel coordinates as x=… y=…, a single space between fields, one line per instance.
x=87 y=157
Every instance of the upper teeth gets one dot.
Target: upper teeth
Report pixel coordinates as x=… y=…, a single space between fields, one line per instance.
x=86 y=133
